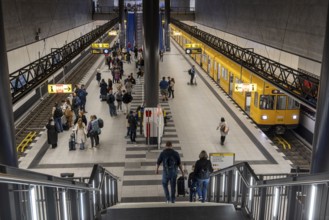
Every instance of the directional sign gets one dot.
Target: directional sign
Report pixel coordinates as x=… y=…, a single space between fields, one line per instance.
x=113 y=33
x=100 y=46
x=59 y=88
x=193 y=50
x=221 y=160
x=245 y=87
x=100 y=51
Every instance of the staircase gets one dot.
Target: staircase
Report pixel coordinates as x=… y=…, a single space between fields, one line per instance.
x=139 y=29
x=177 y=211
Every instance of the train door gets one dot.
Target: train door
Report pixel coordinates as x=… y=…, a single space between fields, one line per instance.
x=231 y=86
x=209 y=66
x=280 y=108
x=248 y=102
x=218 y=73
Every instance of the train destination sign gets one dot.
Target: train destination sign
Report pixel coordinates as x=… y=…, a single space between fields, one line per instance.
x=59 y=88
x=245 y=87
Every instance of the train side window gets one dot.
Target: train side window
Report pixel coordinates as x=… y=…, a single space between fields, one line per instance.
x=292 y=104
x=266 y=102
x=225 y=73
x=281 y=102
x=256 y=99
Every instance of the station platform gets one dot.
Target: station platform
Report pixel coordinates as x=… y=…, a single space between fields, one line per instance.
x=194 y=113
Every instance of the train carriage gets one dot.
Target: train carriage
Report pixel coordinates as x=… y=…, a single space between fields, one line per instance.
x=267 y=106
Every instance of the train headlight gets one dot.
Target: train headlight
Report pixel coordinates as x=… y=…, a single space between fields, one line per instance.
x=264 y=117
x=295 y=117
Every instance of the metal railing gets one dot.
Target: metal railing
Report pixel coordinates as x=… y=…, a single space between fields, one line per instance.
x=30 y=76
x=302 y=86
x=39 y=196
x=282 y=196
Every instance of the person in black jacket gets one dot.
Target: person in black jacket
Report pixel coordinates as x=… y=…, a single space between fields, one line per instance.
x=203 y=168
x=52 y=135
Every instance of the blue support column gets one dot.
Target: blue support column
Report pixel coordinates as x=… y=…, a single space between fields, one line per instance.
x=320 y=154
x=167 y=21
x=122 y=36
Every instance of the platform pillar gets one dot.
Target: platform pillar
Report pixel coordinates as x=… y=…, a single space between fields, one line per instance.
x=320 y=154
x=151 y=52
x=122 y=37
x=167 y=21
x=151 y=55
x=8 y=154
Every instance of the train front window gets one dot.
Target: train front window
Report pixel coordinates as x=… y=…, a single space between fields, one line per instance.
x=292 y=104
x=266 y=102
x=281 y=102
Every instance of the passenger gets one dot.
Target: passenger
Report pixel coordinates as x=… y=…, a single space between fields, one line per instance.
x=68 y=113
x=80 y=133
x=161 y=55
x=110 y=101
x=57 y=113
x=169 y=87
x=52 y=136
x=164 y=89
x=82 y=93
x=192 y=74
x=172 y=87
x=126 y=99
x=133 y=122
x=98 y=76
x=82 y=116
x=118 y=98
x=103 y=90
x=127 y=123
x=76 y=102
x=128 y=85
x=203 y=168
x=223 y=130
x=192 y=184
x=170 y=160
x=93 y=131
x=109 y=84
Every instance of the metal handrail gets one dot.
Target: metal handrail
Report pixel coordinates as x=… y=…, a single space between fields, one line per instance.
x=289 y=80
x=29 y=191
x=10 y=179
x=260 y=199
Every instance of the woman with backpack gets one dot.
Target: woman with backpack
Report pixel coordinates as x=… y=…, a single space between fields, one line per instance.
x=223 y=130
x=202 y=170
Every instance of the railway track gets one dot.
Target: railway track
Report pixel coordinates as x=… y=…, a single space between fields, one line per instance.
x=293 y=148
x=36 y=120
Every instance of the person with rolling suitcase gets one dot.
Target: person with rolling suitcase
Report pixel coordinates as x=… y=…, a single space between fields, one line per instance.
x=72 y=141
x=171 y=161
x=192 y=184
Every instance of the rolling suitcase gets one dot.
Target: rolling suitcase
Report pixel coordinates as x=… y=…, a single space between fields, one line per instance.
x=72 y=142
x=180 y=186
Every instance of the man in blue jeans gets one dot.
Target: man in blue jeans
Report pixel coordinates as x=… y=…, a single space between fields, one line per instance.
x=170 y=160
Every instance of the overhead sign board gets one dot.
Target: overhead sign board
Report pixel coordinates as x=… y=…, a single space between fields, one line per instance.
x=59 y=88
x=221 y=160
x=113 y=33
x=193 y=45
x=245 y=87
x=193 y=50
x=100 y=46
x=100 y=51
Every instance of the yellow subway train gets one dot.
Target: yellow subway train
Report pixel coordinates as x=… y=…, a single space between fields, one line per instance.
x=265 y=104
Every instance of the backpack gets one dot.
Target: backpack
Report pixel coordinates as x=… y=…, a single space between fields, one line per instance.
x=58 y=113
x=224 y=129
x=100 y=123
x=77 y=101
x=110 y=98
x=190 y=71
x=204 y=172
x=169 y=163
